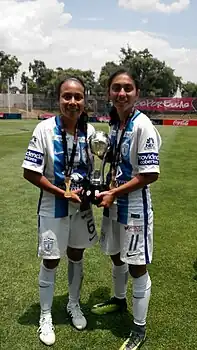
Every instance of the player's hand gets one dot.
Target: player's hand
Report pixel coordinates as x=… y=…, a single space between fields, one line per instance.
x=106 y=199
x=73 y=196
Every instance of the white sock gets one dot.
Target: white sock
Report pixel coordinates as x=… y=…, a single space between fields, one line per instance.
x=75 y=278
x=120 y=279
x=141 y=297
x=46 y=288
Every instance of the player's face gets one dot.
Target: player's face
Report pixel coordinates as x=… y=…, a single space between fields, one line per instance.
x=123 y=92
x=72 y=99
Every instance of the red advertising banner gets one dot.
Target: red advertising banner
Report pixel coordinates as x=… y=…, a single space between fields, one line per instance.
x=167 y=104
x=1 y=115
x=180 y=122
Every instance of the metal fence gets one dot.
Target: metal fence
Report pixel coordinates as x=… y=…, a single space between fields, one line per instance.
x=19 y=101
x=41 y=102
x=98 y=105
x=94 y=105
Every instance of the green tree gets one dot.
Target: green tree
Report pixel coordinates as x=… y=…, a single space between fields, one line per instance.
x=59 y=73
x=189 y=89
x=32 y=86
x=9 y=67
x=155 y=77
x=41 y=76
x=108 y=69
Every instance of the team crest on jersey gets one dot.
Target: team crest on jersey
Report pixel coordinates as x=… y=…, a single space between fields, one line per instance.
x=150 y=143
x=125 y=149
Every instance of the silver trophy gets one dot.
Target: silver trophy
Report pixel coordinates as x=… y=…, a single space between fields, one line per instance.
x=99 y=145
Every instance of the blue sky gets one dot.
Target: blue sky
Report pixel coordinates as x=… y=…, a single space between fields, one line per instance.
x=86 y=34
x=179 y=28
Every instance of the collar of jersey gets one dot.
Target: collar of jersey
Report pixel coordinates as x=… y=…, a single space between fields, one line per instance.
x=136 y=114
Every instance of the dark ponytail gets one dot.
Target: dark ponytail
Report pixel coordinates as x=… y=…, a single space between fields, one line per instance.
x=113 y=114
x=83 y=121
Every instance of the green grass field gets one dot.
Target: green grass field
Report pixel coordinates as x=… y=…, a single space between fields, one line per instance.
x=172 y=319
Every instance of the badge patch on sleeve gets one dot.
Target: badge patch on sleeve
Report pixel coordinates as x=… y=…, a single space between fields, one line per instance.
x=34 y=157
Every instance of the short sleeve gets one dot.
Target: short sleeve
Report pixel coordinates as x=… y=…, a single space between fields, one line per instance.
x=149 y=143
x=35 y=156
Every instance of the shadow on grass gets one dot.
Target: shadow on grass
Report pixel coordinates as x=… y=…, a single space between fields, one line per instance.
x=119 y=324
x=195 y=268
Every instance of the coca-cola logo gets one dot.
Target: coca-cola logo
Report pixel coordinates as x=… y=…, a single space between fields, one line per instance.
x=181 y=122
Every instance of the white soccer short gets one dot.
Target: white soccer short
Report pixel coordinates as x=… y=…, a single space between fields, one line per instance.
x=55 y=234
x=134 y=241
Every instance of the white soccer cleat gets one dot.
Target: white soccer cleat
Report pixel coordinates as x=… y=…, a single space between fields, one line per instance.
x=77 y=317
x=46 y=330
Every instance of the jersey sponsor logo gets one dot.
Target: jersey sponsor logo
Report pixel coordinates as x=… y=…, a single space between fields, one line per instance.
x=148 y=158
x=150 y=144
x=57 y=138
x=121 y=182
x=81 y=138
x=128 y=133
x=134 y=229
x=34 y=157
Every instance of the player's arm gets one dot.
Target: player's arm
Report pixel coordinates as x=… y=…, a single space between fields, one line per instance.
x=34 y=164
x=139 y=181
x=149 y=142
x=42 y=182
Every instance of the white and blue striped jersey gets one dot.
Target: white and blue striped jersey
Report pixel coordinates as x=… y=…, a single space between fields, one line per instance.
x=139 y=153
x=45 y=155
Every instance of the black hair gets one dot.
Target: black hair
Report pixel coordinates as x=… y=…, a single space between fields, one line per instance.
x=123 y=71
x=62 y=81
x=83 y=119
x=114 y=118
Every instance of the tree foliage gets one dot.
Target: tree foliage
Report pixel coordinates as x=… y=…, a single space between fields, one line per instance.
x=9 y=67
x=155 y=77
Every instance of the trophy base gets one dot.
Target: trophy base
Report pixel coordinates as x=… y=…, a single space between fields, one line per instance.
x=93 y=190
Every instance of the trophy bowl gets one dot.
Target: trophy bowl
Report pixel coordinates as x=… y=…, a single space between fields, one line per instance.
x=99 y=143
